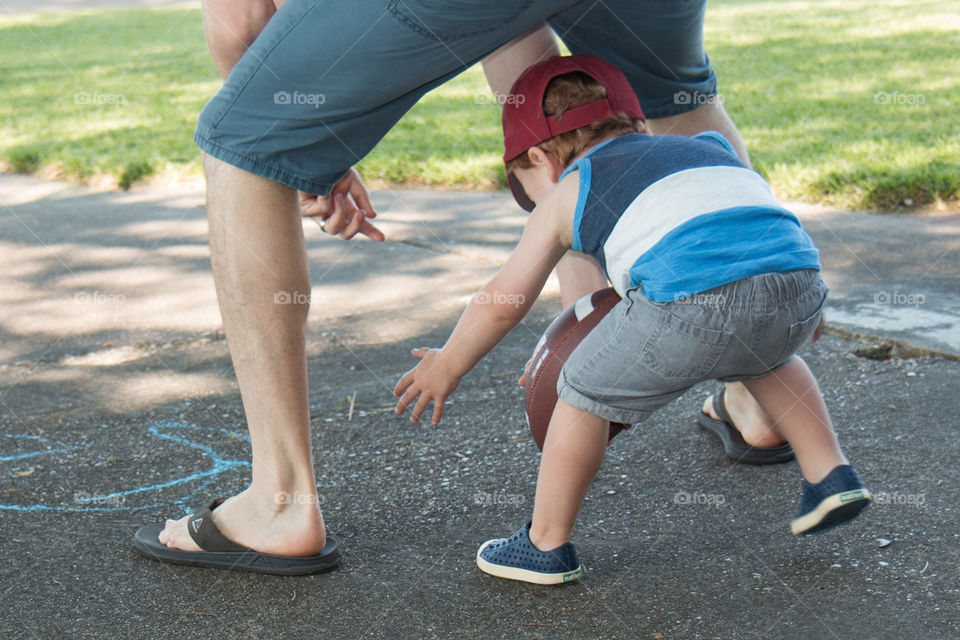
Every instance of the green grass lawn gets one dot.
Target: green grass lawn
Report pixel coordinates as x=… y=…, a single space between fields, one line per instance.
x=850 y=103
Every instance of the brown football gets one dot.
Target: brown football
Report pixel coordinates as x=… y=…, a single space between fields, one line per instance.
x=555 y=346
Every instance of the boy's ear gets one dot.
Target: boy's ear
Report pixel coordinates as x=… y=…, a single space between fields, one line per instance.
x=539 y=158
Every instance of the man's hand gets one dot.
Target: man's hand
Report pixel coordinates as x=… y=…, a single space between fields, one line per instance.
x=430 y=380
x=345 y=212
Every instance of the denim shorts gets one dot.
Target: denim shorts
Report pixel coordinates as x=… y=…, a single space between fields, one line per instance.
x=645 y=354
x=327 y=79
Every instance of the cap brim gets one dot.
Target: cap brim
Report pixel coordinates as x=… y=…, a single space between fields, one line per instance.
x=519 y=194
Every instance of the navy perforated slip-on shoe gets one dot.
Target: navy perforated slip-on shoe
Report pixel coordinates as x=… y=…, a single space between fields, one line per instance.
x=834 y=500
x=515 y=558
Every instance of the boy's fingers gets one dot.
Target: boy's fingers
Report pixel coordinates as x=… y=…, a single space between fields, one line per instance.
x=526 y=370
x=420 y=407
x=419 y=352
x=437 y=412
x=402 y=384
x=408 y=397
x=401 y=405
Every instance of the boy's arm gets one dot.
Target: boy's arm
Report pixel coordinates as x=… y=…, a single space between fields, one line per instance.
x=497 y=308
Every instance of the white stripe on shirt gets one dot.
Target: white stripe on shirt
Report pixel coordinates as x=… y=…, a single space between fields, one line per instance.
x=672 y=201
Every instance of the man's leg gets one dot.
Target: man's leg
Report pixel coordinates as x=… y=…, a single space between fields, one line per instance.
x=709 y=116
x=231 y=26
x=297 y=110
x=257 y=252
x=579 y=274
x=504 y=66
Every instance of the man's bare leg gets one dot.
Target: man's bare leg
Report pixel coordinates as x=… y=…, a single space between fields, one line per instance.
x=709 y=116
x=257 y=251
x=579 y=274
x=504 y=66
x=230 y=27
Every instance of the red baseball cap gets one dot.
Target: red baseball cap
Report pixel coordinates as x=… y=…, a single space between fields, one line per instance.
x=526 y=125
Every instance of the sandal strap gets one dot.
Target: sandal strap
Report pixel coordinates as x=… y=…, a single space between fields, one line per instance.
x=206 y=534
x=720 y=407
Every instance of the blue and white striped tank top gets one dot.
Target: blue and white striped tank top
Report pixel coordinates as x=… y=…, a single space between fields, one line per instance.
x=679 y=215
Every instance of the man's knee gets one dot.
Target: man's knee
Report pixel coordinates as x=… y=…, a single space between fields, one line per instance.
x=229 y=24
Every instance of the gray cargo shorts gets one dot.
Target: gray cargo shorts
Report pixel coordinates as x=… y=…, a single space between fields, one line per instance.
x=645 y=354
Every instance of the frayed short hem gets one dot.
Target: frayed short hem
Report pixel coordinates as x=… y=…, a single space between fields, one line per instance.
x=263 y=169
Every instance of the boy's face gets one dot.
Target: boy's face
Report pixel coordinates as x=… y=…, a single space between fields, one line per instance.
x=539 y=179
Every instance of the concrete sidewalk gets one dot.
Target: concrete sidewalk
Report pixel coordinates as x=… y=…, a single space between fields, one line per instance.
x=891 y=277
x=118 y=406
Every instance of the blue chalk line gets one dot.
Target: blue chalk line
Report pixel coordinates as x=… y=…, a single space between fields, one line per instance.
x=219 y=466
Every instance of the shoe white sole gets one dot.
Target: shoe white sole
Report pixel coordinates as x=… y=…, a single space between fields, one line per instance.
x=842 y=506
x=524 y=575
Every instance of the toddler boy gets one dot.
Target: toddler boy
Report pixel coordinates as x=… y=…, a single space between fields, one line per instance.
x=717 y=279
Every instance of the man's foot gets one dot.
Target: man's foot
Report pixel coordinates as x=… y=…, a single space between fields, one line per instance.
x=836 y=499
x=515 y=558
x=754 y=425
x=219 y=552
x=278 y=525
x=766 y=446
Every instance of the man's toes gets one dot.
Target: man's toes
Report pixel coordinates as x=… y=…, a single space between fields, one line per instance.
x=183 y=541
x=708 y=408
x=180 y=539
x=168 y=526
x=176 y=536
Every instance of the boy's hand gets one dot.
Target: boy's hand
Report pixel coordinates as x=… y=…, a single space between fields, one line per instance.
x=430 y=380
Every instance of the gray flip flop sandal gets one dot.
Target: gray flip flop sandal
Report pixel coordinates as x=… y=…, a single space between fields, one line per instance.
x=733 y=443
x=221 y=553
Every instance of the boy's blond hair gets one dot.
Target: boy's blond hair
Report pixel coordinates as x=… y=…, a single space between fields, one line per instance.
x=566 y=92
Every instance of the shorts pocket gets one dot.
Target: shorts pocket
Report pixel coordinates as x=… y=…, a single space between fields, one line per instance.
x=798 y=334
x=445 y=20
x=681 y=349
